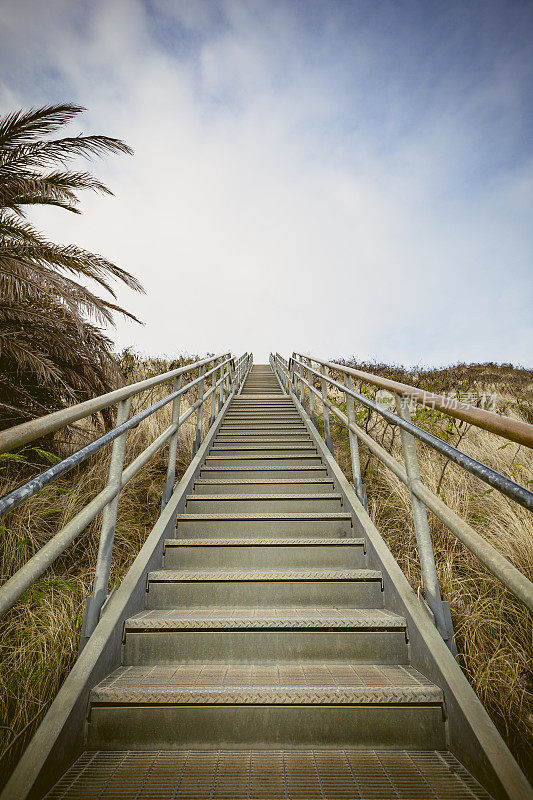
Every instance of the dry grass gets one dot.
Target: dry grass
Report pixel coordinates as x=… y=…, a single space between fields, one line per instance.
x=493 y=630
x=39 y=637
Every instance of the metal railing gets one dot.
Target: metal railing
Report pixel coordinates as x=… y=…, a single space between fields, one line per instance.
x=298 y=374
x=225 y=375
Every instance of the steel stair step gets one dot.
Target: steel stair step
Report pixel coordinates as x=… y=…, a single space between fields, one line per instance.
x=258 y=461
x=233 y=503
x=263 y=485
x=250 y=437
x=261 y=450
x=272 y=635
x=361 y=588
x=259 y=471
x=264 y=524
x=265 y=774
x=329 y=553
x=296 y=705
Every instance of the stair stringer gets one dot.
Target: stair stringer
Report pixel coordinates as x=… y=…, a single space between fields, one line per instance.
x=472 y=736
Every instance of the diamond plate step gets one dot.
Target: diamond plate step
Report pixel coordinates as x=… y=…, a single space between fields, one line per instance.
x=263 y=486
x=333 y=553
x=296 y=704
x=360 y=588
x=262 y=450
x=259 y=462
x=293 y=502
x=258 y=524
x=270 y=635
x=262 y=438
x=261 y=470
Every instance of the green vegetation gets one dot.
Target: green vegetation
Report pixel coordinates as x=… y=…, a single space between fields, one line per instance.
x=39 y=637
x=52 y=352
x=494 y=633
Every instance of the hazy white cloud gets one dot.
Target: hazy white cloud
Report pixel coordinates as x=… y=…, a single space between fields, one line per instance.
x=338 y=178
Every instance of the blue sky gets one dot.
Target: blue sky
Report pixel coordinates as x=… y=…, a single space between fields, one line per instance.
x=342 y=178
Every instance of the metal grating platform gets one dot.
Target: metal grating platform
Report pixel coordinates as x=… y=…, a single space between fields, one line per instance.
x=268 y=775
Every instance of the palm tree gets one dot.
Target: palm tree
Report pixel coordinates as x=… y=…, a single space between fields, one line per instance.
x=52 y=350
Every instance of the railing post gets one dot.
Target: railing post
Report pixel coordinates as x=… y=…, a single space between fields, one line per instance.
x=360 y=487
x=421 y=525
x=107 y=533
x=214 y=393
x=226 y=382
x=325 y=410
x=173 y=446
x=302 y=384
x=220 y=387
x=311 y=392
x=199 y=412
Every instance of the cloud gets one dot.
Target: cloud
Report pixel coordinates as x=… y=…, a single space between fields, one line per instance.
x=336 y=178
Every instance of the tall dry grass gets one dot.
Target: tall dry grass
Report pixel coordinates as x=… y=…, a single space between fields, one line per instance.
x=494 y=633
x=39 y=637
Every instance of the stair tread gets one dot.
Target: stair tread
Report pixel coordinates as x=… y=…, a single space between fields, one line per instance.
x=330 y=774
x=260 y=515
x=180 y=575
x=221 y=618
x=264 y=467
x=243 y=496
x=267 y=684
x=261 y=446
x=292 y=542
x=244 y=481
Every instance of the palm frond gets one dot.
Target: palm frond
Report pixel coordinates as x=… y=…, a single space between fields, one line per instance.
x=52 y=349
x=23 y=126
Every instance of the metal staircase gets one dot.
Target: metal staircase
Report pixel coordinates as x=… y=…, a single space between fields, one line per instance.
x=268 y=662
x=265 y=635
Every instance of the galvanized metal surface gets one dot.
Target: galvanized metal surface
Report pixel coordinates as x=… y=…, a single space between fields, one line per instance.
x=512 y=429
x=421 y=526
x=500 y=482
x=60 y=737
x=311 y=673
x=36 y=566
x=321 y=618
x=269 y=775
x=511 y=577
x=17 y=496
x=107 y=534
x=472 y=735
x=20 y=435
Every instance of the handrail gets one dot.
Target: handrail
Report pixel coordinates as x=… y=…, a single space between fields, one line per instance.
x=27 y=490
x=297 y=374
x=511 y=489
x=26 y=432
x=227 y=375
x=513 y=429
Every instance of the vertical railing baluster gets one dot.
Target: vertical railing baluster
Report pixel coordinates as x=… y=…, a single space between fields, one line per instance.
x=421 y=525
x=354 y=446
x=214 y=393
x=199 y=412
x=227 y=381
x=302 y=384
x=311 y=393
x=107 y=533
x=173 y=446
x=325 y=410
x=220 y=388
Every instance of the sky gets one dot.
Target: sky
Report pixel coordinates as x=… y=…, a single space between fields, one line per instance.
x=341 y=178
